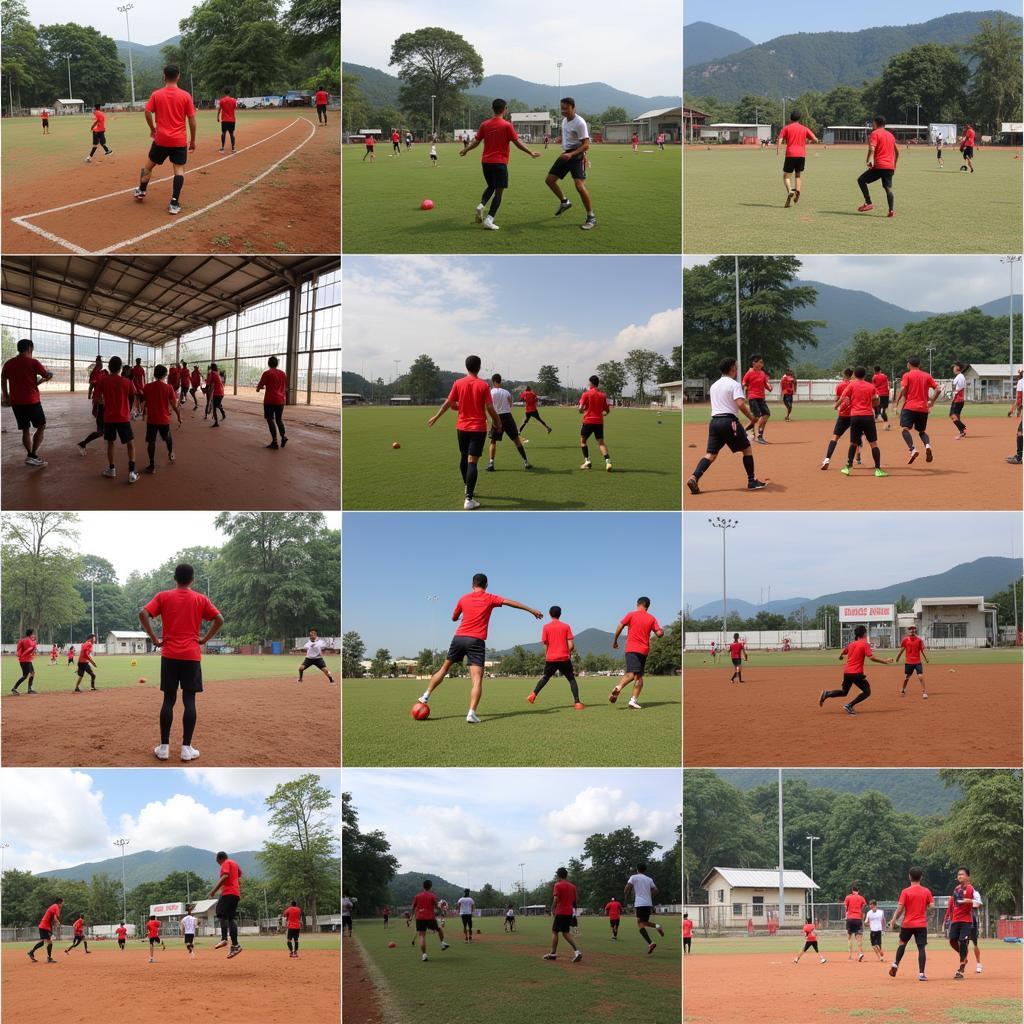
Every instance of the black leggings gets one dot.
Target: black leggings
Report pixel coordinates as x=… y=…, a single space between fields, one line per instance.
x=227 y=129
x=188 y=717
x=570 y=678
x=274 y=415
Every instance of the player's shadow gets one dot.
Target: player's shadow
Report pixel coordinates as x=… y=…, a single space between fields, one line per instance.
x=764 y=206
x=530 y=504
x=513 y=714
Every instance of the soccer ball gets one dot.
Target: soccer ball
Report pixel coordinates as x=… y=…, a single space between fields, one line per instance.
x=134 y=663
x=142 y=679
x=420 y=711
x=395 y=444
x=427 y=204
x=391 y=945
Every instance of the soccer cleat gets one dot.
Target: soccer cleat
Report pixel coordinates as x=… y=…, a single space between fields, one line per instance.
x=162 y=752
x=470 y=503
x=151 y=960
x=284 y=441
x=50 y=960
x=221 y=944
x=472 y=718
x=880 y=472
x=633 y=704
x=760 y=440
x=189 y=753
x=34 y=460
x=562 y=207
x=444 y=945
x=613 y=696
x=789 y=202
x=15 y=693
x=88 y=159
x=903 y=693
x=959 y=976
x=913 y=456
x=797 y=960
x=607 y=466
x=693 y=486
x=170 y=457
x=489 y=468
x=489 y=224
x=796 y=198
x=860 y=958
x=845 y=471
x=423 y=957
x=549 y=430
x=577 y=956
x=660 y=930
x=588 y=225
x=920 y=977
x=824 y=464
x=924 y=696
x=273 y=445
x=531 y=698
x=110 y=472
x=1014 y=460
x=174 y=207
x=81 y=450
x=586 y=464
x=755 y=485
x=234 y=951
x=977 y=970
x=928 y=456
x=651 y=948
x=892 y=971
x=858 y=460
x=526 y=465
x=823 y=960
x=478 y=214
x=149 y=470
x=139 y=194
x=849 y=711
x=549 y=956
x=890 y=214
x=865 y=207
x=577 y=706
x=31 y=957
x=132 y=476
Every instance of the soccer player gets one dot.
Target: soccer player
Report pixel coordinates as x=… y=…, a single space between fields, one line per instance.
x=172 y=107
x=881 y=382
x=195 y=382
x=79 y=938
x=563 y=901
x=96 y=378
x=613 y=911
x=725 y=430
x=346 y=915
x=465 y=904
x=275 y=382
x=138 y=376
x=644 y=890
x=371 y=142
x=640 y=623
x=572 y=160
x=593 y=406
x=160 y=401
x=226 y=107
x=497 y=135
x=810 y=942
x=529 y=399
x=855 y=905
x=44 y=115
x=738 y=655
x=938 y=150
x=174 y=377
x=863 y=399
x=913 y=646
x=636 y=142
x=49 y=924
x=396 y=142
x=424 y=905
x=85 y=664
x=502 y=402
x=755 y=383
x=292 y=915
x=99 y=133
x=787 y=386
x=472 y=397
x=856 y=652
x=883 y=155
x=915 y=393
x=320 y=100
x=188 y=930
x=967 y=148
x=53 y=655
x=714 y=652
x=796 y=136
x=510 y=918
x=556 y=636
x=875 y=920
x=19 y=384
x=687 y=935
x=469 y=642
x=230 y=888
x=182 y=612
x=315 y=656
x=183 y=381
x=115 y=391
x=122 y=933
x=26 y=651
x=960 y=913
x=1015 y=410
x=956 y=407
x=71 y=655
x=842 y=407
x=433 y=154
x=153 y=934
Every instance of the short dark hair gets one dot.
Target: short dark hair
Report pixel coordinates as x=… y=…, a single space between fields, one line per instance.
x=97 y=106
x=594 y=379
x=495 y=378
x=879 y=120
x=498 y=105
x=914 y=361
x=569 y=100
x=795 y=115
x=860 y=631
x=848 y=372
x=294 y=903
x=809 y=921
x=860 y=373
x=29 y=631
x=915 y=874
x=427 y=883
x=272 y=362
x=90 y=636
x=473 y=364
x=555 y=611
x=466 y=892
x=479 y=579
x=878 y=369
x=854 y=887
x=735 y=636
x=59 y=899
x=114 y=364
x=221 y=855
x=160 y=371
x=137 y=361
x=726 y=365
x=24 y=344
x=966 y=871
x=642 y=866
x=171 y=72
x=227 y=90
x=645 y=601
x=562 y=873
x=185 y=573
x=958 y=365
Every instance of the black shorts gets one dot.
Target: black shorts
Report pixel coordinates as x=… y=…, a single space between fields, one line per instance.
x=227 y=906
x=968 y=152
x=759 y=407
x=854 y=925
x=787 y=401
x=687 y=940
x=496 y=175
x=851 y=679
x=725 y=431
x=470 y=648
x=471 y=442
x=152 y=429
x=314 y=663
x=876 y=939
x=863 y=428
x=29 y=416
x=565 y=667
x=561 y=923
x=643 y=914
x=913 y=420
x=737 y=662
x=508 y=426
x=321 y=108
x=370 y=149
x=635 y=662
x=189 y=940
x=532 y=414
x=841 y=427
x=960 y=931
x=427 y=926
x=346 y=921
x=178 y=154
x=294 y=933
x=597 y=429
x=271 y=412
x=175 y=672
x=155 y=940
x=466 y=919
x=45 y=934
x=99 y=138
x=910 y=668
x=811 y=945
x=218 y=401
x=883 y=174
x=83 y=667
x=974 y=932
x=576 y=167
x=118 y=431
x=883 y=402
x=793 y=163
x=938 y=152
x=120 y=943
x=46 y=122
x=955 y=408
x=227 y=126
x=26 y=668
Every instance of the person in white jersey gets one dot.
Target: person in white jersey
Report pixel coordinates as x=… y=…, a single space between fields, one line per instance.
x=975 y=918
x=503 y=407
x=315 y=656
x=465 y=904
x=510 y=919
x=725 y=429
x=956 y=407
x=188 y=930
x=875 y=920
x=644 y=890
x=572 y=160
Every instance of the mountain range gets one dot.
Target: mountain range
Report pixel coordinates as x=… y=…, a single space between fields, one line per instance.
x=703 y=41
x=144 y=58
x=406 y=884
x=985 y=576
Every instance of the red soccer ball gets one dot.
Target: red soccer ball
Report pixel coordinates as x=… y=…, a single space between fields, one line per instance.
x=420 y=711
x=427 y=204
x=395 y=444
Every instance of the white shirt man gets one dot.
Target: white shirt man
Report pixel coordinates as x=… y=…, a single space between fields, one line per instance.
x=642 y=886
x=724 y=393
x=465 y=905
x=875 y=920
x=314 y=648
x=502 y=401
x=574 y=131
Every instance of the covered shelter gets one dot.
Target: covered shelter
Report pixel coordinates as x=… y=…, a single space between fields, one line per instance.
x=69 y=106
x=694 y=120
x=671 y=394
x=745 y=134
x=990 y=382
x=532 y=125
x=737 y=896
x=124 y=641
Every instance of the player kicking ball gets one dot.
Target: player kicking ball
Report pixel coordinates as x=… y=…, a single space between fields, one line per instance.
x=470 y=641
x=556 y=636
x=172 y=107
x=856 y=652
x=640 y=625
x=642 y=886
x=314 y=657
x=883 y=155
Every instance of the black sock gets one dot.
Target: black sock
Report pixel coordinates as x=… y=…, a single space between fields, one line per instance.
x=131 y=465
x=188 y=716
x=646 y=937
x=471 y=472
x=831 y=449
x=495 y=203
x=607 y=455
x=877 y=456
x=863 y=695
x=889 y=198
x=167 y=717
x=1020 y=445
x=151 y=449
x=586 y=452
x=925 y=438
x=179 y=180
x=143 y=184
x=92 y=151
x=900 y=950
x=920 y=961
x=463 y=466
x=864 y=189
x=748 y=466
x=233 y=929
x=170 y=443
x=575 y=689
x=959 y=425
x=488 y=192
x=885 y=416
x=908 y=440
x=850 y=454
x=702 y=468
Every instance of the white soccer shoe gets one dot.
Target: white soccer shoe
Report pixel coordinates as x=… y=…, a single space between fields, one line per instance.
x=490 y=225
x=162 y=752
x=470 y=503
x=189 y=753
x=633 y=704
x=472 y=718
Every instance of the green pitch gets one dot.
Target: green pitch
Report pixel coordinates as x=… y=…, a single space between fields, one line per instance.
x=424 y=473
x=378 y=730
x=776 y=659
x=636 y=198
x=734 y=202
x=117 y=670
x=502 y=979
x=826 y=412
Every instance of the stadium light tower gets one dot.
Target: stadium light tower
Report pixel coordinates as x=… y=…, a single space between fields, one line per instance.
x=432 y=599
x=1009 y=261
x=812 y=840
x=782 y=864
x=67 y=57
x=3 y=846
x=725 y=525
x=432 y=98
x=739 y=358
x=124 y=892
x=522 y=883
x=125 y=8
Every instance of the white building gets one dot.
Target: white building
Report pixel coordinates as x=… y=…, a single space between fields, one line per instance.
x=69 y=106
x=990 y=382
x=955 y=621
x=727 y=131
x=672 y=394
x=739 y=895
x=123 y=641
x=532 y=125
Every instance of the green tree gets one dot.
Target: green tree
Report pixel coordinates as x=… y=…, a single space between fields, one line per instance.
x=613 y=378
x=353 y=650
x=488 y=897
x=666 y=654
x=612 y=115
x=315 y=22
x=641 y=364
x=98 y=74
x=612 y=857
x=367 y=863
x=1009 y=603
x=930 y=75
x=23 y=64
x=671 y=369
x=381 y=664
x=548 y=385
x=994 y=93
x=759 y=110
x=423 y=379
x=104 y=899
x=355 y=108
x=843 y=105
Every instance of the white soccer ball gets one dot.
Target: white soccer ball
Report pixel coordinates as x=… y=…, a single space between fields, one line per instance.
x=526 y=440
x=443 y=904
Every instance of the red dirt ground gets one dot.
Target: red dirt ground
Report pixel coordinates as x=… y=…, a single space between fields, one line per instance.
x=774 y=714
x=108 y=985
x=769 y=987
x=970 y=474
x=228 y=470
x=361 y=1003
x=266 y=723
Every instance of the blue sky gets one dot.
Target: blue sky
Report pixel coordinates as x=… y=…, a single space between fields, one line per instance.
x=594 y=565
x=478 y=825
x=57 y=817
x=397 y=307
x=760 y=22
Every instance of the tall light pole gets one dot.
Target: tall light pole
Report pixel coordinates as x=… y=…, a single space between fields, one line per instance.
x=432 y=98
x=917 y=123
x=1009 y=261
x=432 y=599
x=739 y=358
x=522 y=883
x=3 y=846
x=67 y=57
x=125 y=8
x=558 y=98
x=725 y=525
x=124 y=892
x=812 y=839
x=92 y=602
x=782 y=866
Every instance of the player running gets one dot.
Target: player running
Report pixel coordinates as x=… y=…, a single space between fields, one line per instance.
x=787 y=388
x=556 y=636
x=25 y=652
x=563 y=901
x=122 y=934
x=881 y=382
x=863 y=401
x=529 y=399
x=842 y=407
x=230 y=886
x=883 y=155
x=292 y=915
x=593 y=406
x=856 y=652
x=913 y=646
x=78 y=939
x=321 y=100
x=71 y=656
x=465 y=904
x=49 y=924
x=346 y=915
x=99 y=133
x=19 y=384
x=795 y=136
x=572 y=160
x=314 y=658
x=960 y=914
x=215 y=390
x=469 y=642
x=613 y=911
x=226 y=107
x=172 y=107
x=915 y=392
x=160 y=401
x=153 y=934
x=424 y=905
x=914 y=902
x=810 y=942
x=371 y=144
x=195 y=381
x=956 y=407
x=855 y=905
x=687 y=935
x=502 y=402
x=115 y=395
x=275 y=382
x=640 y=625
x=967 y=148
x=642 y=886
x=737 y=654
x=85 y=664
x=53 y=655
x=188 y=926
x=755 y=383
x=875 y=920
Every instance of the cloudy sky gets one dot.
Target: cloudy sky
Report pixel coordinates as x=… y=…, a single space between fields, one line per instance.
x=151 y=23
x=806 y=554
x=936 y=284
x=477 y=825
x=639 y=52
x=397 y=307
x=59 y=817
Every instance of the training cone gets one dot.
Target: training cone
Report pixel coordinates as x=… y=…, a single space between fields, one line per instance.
x=427 y=204
x=420 y=711
x=134 y=663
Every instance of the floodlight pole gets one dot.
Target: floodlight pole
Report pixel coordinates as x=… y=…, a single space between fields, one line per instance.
x=739 y=358
x=812 y=840
x=1009 y=261
x=67 y=57
x=782 y=875
x=125 y=8
x=432 y=133
x=124 y=892
x=522 y=884
x=558 y=98
x=92 y=602
x=724 y=524
x=433 y=599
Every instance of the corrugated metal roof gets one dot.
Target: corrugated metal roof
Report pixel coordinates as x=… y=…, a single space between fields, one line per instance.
x=761 y=878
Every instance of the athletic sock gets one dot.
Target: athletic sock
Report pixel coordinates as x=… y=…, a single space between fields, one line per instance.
x=151 y=449
x=926 y=439
x=471 y=473
x=959 y=425
x=852 y=452
x=131 y=465
x=586 y=452
x=877 y=456
x=463 y=466
x=890 y=199
x=575 y=691
x=748 y=466
x=646 y=937
x=908 y=440
x=607 y=456
x=921 y=958
x=831 y=449
x=702 y=468
x=1020 y=445
x=179 y=180
x=495 y=203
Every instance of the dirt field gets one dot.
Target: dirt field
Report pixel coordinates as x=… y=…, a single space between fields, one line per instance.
x=361 y=1004
x=260 y=722
x=774 y=714
x=724 y=989
x=108 y=985
x=228 y=470
x=970 y=474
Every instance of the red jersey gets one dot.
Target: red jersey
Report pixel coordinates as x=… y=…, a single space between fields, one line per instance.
x=26 y=648
x=961 y=905
x=370 y=141
x=79 y=927
x=472 y=395
x=915 y=900
x=321 y=98
x=613 y=910
x=736 y=649
x=293 y=916
x=861 y=395
x=159 y=397
x=788 y=385
x=153 y=929
x=21 y=373
x=172 y=106
x=182 y=612
x=215 y=381
x=885 y=149
x=855 y=904
x=809 y=935
x=916 y=384
x=475 y=609
x=196 y=378
x=844 y=405
x=44 y=114
x=396 y=138
x=529 y=400
x=231 y=873
x=755 y=383
x=881 y=382
x=138 y=375
x=564 y=894
x=96 y=374
x=913 y=645
x=52 y=914
x=687 y=928
x=122 y=932
x=276 y=383
x=969 y=137
x=84 y=652
x=423 y=906
x=227 y=106
x=795 y=136
x=641 y=625
x=174 y=376
x=497 y=135
x=53 y=652
x=555 y=636
x=115 y=392
x=100 y=120
x=856 y=651
x=594 y=404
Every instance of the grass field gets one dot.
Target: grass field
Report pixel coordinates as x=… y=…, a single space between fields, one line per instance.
x=825 y=412
x=424 y=473
x=501 y=977
x=734 y=202
x=636 y=198
x=725 y=977
x=793 y=659
x=378 y=730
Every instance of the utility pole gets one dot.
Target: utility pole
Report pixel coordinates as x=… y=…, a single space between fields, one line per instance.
x=122 y=843
x=739 y=359
x=724 y=524
x=125 y=8
x=812 y=840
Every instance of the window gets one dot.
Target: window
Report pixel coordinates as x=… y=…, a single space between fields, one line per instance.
x=721 y=895
x=949 y=630
x=758 y=908
x=737 y=910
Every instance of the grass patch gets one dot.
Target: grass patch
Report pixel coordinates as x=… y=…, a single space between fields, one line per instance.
x=991 y=1011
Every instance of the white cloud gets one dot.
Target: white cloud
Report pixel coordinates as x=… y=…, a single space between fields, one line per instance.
x=661 y=333
x=604 y=809
x=182 y=820
x=533 y=845
x=56 y=808
x=462 y=839
x=256 y=783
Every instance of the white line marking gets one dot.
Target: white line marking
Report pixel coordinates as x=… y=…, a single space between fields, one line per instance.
x=21 y=222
